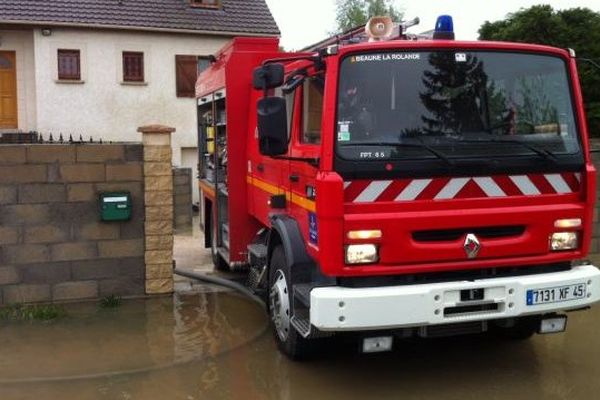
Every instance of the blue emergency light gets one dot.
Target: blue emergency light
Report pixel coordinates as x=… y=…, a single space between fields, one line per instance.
x=444 y=28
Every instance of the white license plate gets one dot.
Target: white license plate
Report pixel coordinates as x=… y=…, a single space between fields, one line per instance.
x=556 y=294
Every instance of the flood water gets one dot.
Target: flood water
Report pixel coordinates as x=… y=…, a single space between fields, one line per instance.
x=216 y=346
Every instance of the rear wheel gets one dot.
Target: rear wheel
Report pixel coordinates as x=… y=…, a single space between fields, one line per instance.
x=289 y=341
x=218 y=261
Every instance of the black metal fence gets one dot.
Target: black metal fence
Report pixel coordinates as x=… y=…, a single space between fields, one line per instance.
x=48 y=138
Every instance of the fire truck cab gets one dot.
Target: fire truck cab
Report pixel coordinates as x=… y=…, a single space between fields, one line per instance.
x=399 y=186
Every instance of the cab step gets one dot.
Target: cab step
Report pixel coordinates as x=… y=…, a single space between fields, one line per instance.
x=302 y=325
x=302 y=294
x=301 y=322
x=301 y=318
x=257 y=254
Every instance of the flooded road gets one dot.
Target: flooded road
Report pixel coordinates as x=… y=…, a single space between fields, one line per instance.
x=215 y=346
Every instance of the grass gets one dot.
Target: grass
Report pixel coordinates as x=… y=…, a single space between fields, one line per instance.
x=111 y=301
x=19 y=312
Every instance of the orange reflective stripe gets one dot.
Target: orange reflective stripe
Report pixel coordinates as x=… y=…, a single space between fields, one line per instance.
x=206 y=188
x=276 y=190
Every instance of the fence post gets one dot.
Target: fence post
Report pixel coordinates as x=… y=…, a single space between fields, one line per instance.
x=158 y=196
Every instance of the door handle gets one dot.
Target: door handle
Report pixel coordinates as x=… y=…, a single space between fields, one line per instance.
x=294 y=178
x=260 y=168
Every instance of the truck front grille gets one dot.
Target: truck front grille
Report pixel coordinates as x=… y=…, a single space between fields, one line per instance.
x=447 y=235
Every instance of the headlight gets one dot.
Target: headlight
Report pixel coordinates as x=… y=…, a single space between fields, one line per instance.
x=564 y=241
x=361 y=254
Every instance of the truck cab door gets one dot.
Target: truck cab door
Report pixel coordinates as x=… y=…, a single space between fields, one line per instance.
x=305 y=151
x=269 y=176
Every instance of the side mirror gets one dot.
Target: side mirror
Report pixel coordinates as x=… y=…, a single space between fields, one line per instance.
x=272 y=126
x=268 y=76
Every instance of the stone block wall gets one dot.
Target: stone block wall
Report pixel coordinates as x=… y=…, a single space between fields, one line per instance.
x=182 y=198
x=53 y=245
x=158 y=224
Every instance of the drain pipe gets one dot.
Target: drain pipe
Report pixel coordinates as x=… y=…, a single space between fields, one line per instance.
x=221 y=282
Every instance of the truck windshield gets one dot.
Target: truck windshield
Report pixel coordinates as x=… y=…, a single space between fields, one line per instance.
x=461 y=104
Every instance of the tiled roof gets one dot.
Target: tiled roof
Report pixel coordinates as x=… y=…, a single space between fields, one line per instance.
x=235 y=16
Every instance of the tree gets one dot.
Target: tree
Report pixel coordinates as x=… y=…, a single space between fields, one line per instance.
x=353 y=13
x=383 y=7
x=576 y=28
x=457 y=96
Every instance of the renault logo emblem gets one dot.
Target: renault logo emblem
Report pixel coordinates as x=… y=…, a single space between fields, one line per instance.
x=472 y=245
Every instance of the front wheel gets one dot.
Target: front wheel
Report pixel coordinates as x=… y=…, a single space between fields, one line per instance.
x=289 y=341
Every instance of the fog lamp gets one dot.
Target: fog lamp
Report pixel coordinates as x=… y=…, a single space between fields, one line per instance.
x=377 y=344
x=361 y=254
x=372 y=234
x=553 y=324
x=564 y=241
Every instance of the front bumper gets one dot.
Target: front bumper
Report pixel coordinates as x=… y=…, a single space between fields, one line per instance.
x=349 y=309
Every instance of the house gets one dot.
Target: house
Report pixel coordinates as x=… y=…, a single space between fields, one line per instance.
x=102 y=68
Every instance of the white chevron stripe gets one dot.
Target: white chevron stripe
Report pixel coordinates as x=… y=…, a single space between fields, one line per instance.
x=414 y=189
x=489 y=187
x=558 y=183
x=452 y=188
x=578 y=176
x=525 y=185
x=487 y=184
x=372 y=192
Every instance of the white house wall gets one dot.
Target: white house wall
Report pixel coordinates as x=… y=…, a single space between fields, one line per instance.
x=102 y=105
x=21 y=42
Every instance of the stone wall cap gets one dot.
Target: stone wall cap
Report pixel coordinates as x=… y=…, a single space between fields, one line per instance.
x=156 y=129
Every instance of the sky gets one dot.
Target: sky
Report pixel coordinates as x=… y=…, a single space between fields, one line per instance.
x=303 y=22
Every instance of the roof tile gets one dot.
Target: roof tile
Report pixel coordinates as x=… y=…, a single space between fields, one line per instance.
x=235 y=16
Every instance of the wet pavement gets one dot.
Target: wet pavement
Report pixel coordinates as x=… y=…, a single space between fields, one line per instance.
x=209 y=344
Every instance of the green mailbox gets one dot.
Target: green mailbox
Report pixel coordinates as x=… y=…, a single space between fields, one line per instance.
x=115 y=206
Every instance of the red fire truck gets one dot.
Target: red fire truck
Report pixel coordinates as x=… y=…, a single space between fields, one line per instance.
x=394 y=185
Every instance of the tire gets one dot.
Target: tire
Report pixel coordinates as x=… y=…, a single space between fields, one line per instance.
x=524 y=328
x=218 y=261
x=289 y=341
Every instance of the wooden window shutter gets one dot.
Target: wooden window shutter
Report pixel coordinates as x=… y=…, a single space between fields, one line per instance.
x=69 y=64
x=133 y=66
x=186 y=71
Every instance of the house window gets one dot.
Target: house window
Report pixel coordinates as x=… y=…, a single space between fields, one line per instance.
x=206 y=3
x=133 y=66
x=187 y=69
x=203 y=64
x=69 y=65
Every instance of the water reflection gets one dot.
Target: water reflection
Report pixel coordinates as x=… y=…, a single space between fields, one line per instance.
x=212 y=336
x=141 y=335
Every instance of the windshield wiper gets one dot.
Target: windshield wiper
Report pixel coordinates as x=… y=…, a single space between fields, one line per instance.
x=546 y=154
x=420 y=145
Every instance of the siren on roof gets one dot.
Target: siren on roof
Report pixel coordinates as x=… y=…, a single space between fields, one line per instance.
x=444 y=28
x=379 y=28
